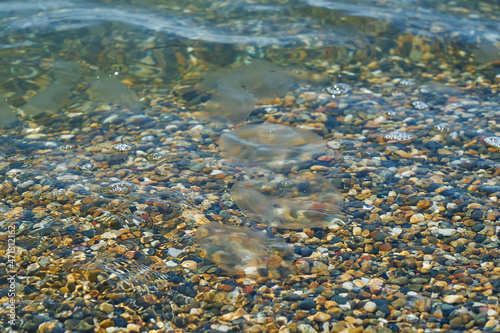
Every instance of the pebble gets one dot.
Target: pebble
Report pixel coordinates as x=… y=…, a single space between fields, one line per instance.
x=307 y=304
x=305 y=328
x=417 y=218
x=106 y=307
x=453 y=299
x=189 y=264
x=370 y=307
x=320 y=316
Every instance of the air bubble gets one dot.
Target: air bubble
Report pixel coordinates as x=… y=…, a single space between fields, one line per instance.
x=400 y=136
x=419 y=105
x=338 y=89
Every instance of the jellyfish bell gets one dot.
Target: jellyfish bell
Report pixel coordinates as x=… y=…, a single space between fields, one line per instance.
x=270 y=145
x=293 y=202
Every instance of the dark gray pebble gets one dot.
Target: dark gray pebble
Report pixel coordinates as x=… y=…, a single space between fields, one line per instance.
x=307 y=304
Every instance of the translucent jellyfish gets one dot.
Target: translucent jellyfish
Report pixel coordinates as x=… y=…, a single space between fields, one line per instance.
x=292 y=202
x=270 y=145
x=263 y=79
x=6 y=114
x=49 y=99
x=236 y=248
x=108 y=89
x=234 y=93
x=231 y=102
x=66 y=72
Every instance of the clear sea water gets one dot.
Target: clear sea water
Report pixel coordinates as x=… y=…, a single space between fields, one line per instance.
x=429 y=67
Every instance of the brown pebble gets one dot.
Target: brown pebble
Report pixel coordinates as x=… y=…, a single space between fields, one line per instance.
x=423 y=304
x=424 y=204
x=474 y=205
x=366 y=266
x=309 y=232
x=107 y=323
x=225 y=287
x=234 y=315
x=452 y=299
x=493 y=215
x=320 y=316
x=190 y=264
x=320 y=168
x=385 y=247
x=106 y=307
x=417 y=218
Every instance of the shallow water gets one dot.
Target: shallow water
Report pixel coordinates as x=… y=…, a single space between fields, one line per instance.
x=124 y=170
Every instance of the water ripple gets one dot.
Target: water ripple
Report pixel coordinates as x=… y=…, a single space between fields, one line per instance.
x=239 y=22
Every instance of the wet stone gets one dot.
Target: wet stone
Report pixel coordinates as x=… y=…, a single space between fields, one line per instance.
x=401 y=281
x=196 y=167
x=117 y=158
x=307 y=304
x=433 y=145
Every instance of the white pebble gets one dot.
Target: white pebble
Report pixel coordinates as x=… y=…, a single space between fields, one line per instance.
x=370 y=306
x=67 y=136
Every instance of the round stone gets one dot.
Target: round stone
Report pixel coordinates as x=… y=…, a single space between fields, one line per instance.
x=370 y=306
